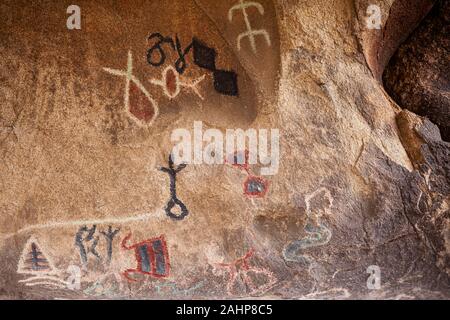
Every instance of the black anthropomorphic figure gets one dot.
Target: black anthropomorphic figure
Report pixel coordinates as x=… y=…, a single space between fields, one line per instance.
x=174 y=201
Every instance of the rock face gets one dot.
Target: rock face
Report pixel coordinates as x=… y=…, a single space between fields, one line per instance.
x=93 y=206
x=418 y=76
x=429 y=155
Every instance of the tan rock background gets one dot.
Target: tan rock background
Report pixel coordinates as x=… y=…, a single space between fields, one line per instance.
x=373 y=179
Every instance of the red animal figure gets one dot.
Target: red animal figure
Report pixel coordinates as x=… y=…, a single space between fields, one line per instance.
x=152 y=257
x=240 y=270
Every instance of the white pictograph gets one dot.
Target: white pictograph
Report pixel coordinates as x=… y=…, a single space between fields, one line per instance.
x=324 y=211
x=131 y=79
x=250 y=33
x=317 y=233
x=34 y=260
x=172 y=84
x=156 y=215
x=36 y=263
x=74 y=280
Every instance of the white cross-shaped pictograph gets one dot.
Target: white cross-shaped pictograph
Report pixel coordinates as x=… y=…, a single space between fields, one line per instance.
x=177 y=83
x=250 y=33
x=128 y=74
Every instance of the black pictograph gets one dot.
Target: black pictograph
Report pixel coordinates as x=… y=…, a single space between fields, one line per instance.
x=225 y=81
x=174 y=201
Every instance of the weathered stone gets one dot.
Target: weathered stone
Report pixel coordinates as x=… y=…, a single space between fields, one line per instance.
x=87 y=184
x=418 y=76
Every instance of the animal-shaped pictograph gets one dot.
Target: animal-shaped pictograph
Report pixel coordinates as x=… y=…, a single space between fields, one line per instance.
x=241 y=272
x=317 y=233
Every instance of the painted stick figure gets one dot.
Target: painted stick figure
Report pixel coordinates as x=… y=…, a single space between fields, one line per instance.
x=109 y=236
x=250 y=33
x=89 y=238
x=174 y=201
x=240 y=270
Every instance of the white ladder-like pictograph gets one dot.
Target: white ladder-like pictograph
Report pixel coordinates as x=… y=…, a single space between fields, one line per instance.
x=250 y=33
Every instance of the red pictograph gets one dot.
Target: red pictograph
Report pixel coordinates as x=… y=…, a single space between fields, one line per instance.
x=254 y=186
x=152 y=257
x=239 y=159
x=240 y=271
